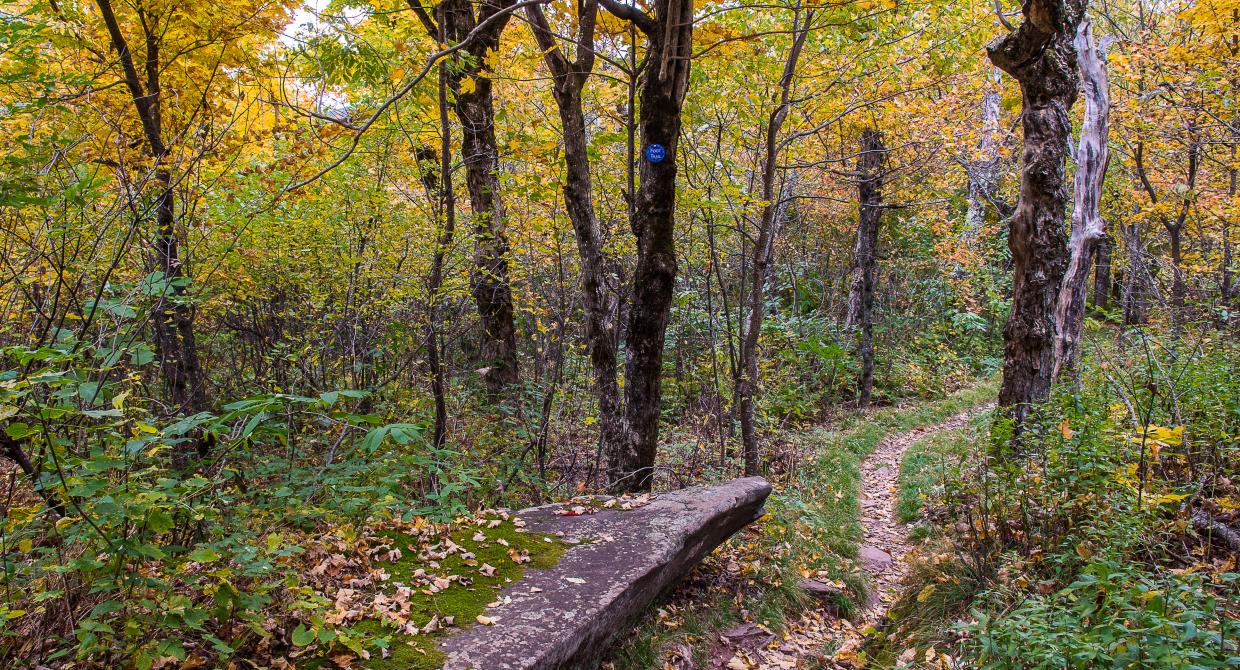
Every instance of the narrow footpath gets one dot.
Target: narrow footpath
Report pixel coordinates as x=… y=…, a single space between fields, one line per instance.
x=884 y=548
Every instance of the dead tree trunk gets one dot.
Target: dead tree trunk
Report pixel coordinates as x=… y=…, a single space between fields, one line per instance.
x=172 y=316
x=773 y=206
x=1088 y=226
x=598 y=297
x=669 y=54
x=1040 y=56
x=865 y=257
x=474 y=104
x=983 y=170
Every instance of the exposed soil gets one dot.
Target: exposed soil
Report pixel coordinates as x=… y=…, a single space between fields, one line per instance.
x=820 y=640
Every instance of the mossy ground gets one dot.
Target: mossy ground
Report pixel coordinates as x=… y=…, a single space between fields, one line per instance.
x=462 y=603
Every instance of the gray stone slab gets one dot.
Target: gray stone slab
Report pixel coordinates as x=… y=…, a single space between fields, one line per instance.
x=620 y=562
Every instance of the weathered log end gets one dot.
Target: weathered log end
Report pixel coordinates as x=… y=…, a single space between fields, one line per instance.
x=619 y=563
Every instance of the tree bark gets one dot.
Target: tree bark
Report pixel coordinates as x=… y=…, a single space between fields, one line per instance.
x=1174 y=227
x=669 y=53
x=474 y=105
x=172 y=316
x=1101 y=298
x=1137 y=280
x=768 y=232
x=438 y=183
x=1175 y=235
x=983 y=171
x=598 y=296
x=1088 y=226
x=1040 y=56
x=1227 y=287
x=870 y=158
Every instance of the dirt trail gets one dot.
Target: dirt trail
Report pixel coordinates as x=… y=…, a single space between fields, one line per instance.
x=883 y=550
x=885 y=542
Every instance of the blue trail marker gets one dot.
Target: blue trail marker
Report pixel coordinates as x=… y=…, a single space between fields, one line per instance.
x=655 y=153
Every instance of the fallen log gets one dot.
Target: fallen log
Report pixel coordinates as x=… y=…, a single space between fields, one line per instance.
x=618 y=563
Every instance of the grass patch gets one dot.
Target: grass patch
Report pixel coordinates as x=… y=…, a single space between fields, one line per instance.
x=938 y=592
x=812 y=530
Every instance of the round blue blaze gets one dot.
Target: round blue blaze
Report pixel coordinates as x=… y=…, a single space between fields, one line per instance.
x=655 y=153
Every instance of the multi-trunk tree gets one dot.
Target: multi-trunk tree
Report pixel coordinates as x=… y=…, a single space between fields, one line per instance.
x=665 y=81
x=1040 y=55
x=569 y=77
x=473 y=101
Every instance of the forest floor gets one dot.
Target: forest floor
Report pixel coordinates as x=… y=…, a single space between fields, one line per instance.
x=809 y=584
x=884 y=551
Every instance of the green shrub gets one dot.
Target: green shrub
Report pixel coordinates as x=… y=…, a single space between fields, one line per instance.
x=1113 y=615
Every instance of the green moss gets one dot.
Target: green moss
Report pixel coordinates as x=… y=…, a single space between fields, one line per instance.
x=462 y=602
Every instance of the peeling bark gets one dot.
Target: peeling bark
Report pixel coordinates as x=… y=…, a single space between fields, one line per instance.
x=1088 y=226
x=1040 y=56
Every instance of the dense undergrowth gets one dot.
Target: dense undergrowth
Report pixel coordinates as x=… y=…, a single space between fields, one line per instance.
x=811 y=531
x=1096 y=546
x=138 y=536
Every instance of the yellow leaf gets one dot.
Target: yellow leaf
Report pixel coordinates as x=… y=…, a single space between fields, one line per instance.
x=925 y=593
x=468 y=85
x=1065 y=430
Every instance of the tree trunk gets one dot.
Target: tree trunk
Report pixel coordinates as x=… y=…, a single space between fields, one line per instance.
x=669 y=36
x=1179 y=285
x=768 y=232
x=1088 y=226
x=439 y=187
x=983 y=170
x=1136 y=281
x=475 y=109
x=1101 y=298
x=1227 y=286
x=569 y=77
x=1175 y=235
x=172 y=316
x=870 y=158
x=1040 y=56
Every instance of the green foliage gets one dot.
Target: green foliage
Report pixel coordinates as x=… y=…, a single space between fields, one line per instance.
x=811 y=530
x=1114 y=614
x=1076 y=547
x=149 y=555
